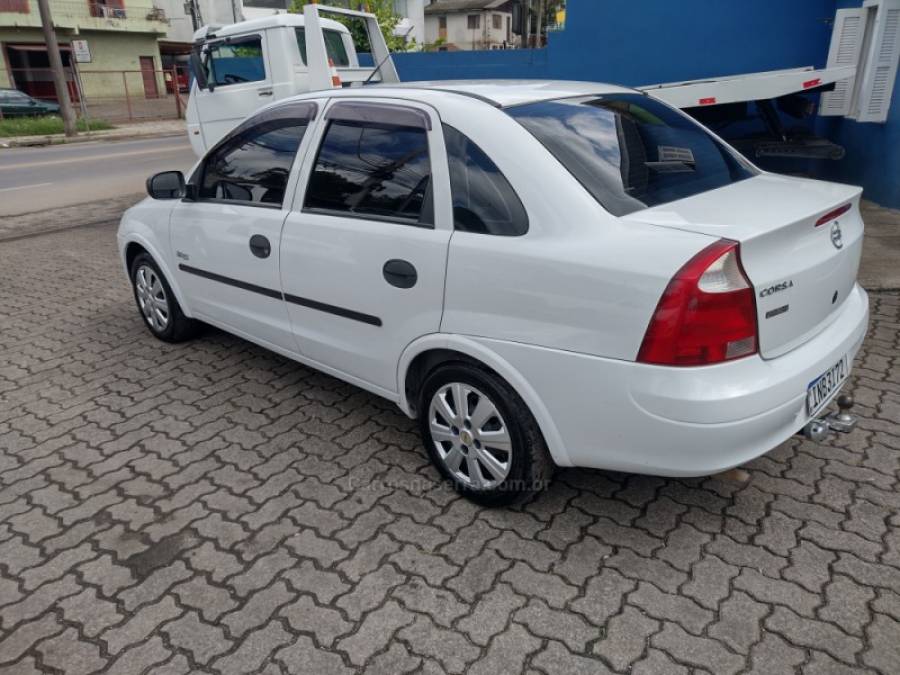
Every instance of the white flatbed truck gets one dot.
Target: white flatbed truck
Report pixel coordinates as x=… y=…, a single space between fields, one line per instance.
x=242 y=67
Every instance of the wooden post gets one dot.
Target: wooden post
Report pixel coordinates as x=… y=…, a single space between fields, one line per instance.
x=127 y=97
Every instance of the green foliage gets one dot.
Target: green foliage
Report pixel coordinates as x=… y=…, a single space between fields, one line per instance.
x=41 y=126
x=382 y=9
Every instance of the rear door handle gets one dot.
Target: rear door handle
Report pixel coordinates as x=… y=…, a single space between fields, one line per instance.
x=264 y=92
x=260 y=246
x=400 y=273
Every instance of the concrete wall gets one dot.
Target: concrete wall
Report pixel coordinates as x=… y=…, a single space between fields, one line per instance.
x=181 y=29
x=110 y=52
x=634 y=43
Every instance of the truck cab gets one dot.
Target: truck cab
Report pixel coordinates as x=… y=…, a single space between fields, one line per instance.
x=244 y=66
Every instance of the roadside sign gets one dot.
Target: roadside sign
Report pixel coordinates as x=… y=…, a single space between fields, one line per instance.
x=81 y=50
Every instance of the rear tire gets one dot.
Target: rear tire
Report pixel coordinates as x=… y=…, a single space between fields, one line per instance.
x=157 y=303
x=481 y=435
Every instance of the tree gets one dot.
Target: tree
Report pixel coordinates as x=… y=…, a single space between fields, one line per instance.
x=383 y=11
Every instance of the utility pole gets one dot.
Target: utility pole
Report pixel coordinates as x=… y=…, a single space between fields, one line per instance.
x=59 y=75
x=193 y=10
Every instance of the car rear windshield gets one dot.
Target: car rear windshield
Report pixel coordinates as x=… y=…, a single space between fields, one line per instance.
x=630 y=151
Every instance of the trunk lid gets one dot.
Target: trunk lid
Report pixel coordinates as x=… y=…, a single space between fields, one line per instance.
x=801 y=273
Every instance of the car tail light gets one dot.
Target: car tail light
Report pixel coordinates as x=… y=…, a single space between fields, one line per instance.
x=707 y=313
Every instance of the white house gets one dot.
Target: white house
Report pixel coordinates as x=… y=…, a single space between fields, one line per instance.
x=469 y=24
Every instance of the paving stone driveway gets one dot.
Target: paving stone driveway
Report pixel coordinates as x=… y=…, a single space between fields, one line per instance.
x=215 y=507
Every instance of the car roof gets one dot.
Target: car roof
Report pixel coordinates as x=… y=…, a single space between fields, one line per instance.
x=499 y=93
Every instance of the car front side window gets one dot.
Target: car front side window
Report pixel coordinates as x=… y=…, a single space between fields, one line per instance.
x=236 y=61
x=373 y=162
x=253 y=164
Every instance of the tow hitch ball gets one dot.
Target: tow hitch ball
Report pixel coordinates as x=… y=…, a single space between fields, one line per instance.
x=817 y=429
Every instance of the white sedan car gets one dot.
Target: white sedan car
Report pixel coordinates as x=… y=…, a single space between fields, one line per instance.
x=540 y=272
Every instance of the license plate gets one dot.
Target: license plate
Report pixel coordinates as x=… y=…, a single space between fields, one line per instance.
x=820 y=390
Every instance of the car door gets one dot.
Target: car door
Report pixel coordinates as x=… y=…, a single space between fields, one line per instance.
x=226 y=237
x=239 y=73
x=364 y=250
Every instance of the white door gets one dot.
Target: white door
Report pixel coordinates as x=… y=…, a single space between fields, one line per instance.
x=240 y=73
x=364 y=250
x=226 y=238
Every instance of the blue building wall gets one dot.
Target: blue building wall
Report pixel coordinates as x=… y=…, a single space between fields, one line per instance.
x=644 y=41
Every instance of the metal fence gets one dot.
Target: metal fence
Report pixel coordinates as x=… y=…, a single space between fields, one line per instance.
x=110 y=95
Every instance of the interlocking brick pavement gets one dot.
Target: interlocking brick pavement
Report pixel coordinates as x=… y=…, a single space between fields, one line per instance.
x=213 y=507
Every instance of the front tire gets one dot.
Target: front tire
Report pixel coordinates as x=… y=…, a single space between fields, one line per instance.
x=481 y=435
x=157 y=304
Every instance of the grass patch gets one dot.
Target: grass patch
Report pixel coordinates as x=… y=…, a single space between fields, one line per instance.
x=40 y=126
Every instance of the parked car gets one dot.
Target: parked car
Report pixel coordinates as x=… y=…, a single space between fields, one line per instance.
x=542 y=273
x=15 y=103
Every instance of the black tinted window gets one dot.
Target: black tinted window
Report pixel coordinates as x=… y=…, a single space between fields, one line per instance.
x=253 y=166
x=372 y=169
x=483 y=200
x=630 y=151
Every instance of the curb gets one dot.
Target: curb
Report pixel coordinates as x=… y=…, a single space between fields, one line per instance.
x=31 y=142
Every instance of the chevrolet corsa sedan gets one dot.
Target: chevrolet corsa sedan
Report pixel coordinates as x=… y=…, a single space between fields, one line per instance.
x=543 y=273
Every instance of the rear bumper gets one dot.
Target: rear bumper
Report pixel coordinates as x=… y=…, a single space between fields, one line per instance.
x=679 y=421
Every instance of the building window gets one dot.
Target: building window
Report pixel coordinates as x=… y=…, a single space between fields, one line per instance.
x=110 y=9
x=442 y=22
x=474 y=21
x=498 y=21
x=17 y=6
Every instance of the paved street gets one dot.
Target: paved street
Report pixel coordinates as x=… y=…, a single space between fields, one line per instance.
x=62 y=175
x=213 y=507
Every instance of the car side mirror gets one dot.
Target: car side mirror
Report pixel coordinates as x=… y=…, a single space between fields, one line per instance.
x=166 y=185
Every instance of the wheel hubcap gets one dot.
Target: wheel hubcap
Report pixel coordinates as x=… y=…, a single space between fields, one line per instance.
x=151 y=298
x=470 y=436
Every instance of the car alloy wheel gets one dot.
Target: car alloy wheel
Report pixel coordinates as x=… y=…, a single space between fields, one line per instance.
x=152 y=298
x=470 y=436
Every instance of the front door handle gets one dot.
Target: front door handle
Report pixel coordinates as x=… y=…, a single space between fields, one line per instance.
x=265 y=92
x=260 y=246
x=400 y=273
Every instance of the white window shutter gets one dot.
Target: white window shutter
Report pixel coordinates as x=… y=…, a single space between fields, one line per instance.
x=877 y=84
x=846 y=44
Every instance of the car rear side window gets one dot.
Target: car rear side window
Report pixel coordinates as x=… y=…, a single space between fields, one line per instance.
x=483 y=200
x=630 y=151
x=370 y=168
x=334 y=47
x=253 y=166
